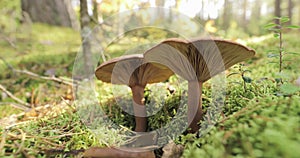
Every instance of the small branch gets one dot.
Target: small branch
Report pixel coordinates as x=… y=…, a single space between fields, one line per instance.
x=280 y=51
x=15 y=105
x=7 y=64
x=23 y=137
x=9 y=41
x=24 y=104
x=53 y=78
x=2 y=143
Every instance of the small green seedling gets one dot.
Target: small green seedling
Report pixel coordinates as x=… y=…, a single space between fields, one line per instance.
x=241 y=72
x=278 y=34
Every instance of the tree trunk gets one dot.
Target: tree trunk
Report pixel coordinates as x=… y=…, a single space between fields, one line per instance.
x=53 y=12
x=298 y=13
x=160 y=12
x=202 y=10
x=85 y=38
x=277 y=10
x=255 y=18
x=256 y=10
x=226 y=14
x=95 y=10
x=244 y=16
x=290 y=11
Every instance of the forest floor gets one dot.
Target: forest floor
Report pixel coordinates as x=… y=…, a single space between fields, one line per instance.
x=261 y=114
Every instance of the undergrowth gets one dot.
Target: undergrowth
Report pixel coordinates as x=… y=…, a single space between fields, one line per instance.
x=259 y=119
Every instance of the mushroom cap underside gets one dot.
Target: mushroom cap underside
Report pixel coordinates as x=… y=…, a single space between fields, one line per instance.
x=198 y=59
x=131 y=70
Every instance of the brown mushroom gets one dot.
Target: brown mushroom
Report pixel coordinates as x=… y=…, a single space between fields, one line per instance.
x=117 y=153
x=197 y=61
x=130 y=70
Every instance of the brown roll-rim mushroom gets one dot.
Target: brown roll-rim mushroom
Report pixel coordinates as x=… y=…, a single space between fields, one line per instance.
x=197 y=61
x=117 y=153
x=131 y=70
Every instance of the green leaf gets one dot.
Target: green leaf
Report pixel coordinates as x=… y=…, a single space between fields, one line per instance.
x=270 y=25
x=234 y=73
x=278 y=80
x=247 y=79
x=276 y=17
x=289 y=88
x=284 y=19
x=292 y=26
x=292 y=53
x=276 y=35
x=272 y=55
x=287 y=60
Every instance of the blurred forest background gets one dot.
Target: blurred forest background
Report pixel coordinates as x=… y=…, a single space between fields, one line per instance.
x=224 y=18
x=40 y=39
x=21 y=21
x=247 y=16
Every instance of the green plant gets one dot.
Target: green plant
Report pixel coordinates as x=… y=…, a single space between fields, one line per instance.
x=278 y=34
x=241 y=72
x=267 y=127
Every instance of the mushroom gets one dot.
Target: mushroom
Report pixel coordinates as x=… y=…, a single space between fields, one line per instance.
x=131 y=70
x=197 y=61
x=112 y=152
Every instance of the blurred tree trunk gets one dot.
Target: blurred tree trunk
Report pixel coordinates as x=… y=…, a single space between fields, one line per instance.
x=226 y=14
x=53 y=12
x=95 y=10
x=277 y=10
x=159 y=3
x=255 y=18
x=256 y=13
x=244 y=16
x=298 y=13
x=290 y=11
x=160 y=12
x=85 y=38
x=202 y=10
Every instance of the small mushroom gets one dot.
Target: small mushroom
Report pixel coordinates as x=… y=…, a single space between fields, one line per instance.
x=132 y=71
x=197 y=61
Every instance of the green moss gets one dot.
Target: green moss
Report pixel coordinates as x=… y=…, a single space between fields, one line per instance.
x=9 y=110
x=267 y=127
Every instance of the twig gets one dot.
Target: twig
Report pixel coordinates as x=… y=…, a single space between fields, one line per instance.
x=54 y=144
x=10 y=42
x=6 y=63
x=53 y=78
x=15 y=105
x=23 y=105
x=2 y=143
x=23 y=137
x=65 y=135
x=16 y=124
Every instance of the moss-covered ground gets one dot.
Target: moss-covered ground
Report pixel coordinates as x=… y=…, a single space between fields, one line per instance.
x=260 y=116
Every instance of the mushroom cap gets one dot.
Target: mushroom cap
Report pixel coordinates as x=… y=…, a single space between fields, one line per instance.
x=198 y=59
x=131 y=70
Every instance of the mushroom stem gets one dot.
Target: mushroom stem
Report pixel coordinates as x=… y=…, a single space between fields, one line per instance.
x=194 y=105
x=139 y=108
